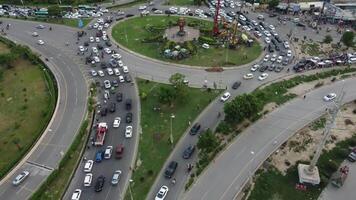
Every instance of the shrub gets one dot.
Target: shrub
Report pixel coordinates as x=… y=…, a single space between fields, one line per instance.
x=224 y=128
x=319 y=84
x=348 y=122
x=208 y=40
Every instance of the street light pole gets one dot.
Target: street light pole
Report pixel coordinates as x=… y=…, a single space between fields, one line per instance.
x=249 y=169
x=130 y=181
x=171 y=136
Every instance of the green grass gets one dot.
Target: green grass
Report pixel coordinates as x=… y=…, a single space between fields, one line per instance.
x=66 y=22
x=130 y=32
x=312 y=49
x=27 y=101
x=127 y=5
x=154 y=147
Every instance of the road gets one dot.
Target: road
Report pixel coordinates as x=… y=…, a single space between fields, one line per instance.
x=233 y=168
x=71 y=109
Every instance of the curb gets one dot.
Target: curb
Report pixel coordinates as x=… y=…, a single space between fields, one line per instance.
x=171 y=63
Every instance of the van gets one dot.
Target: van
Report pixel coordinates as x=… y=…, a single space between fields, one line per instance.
x=108 y=152
x=119 y=151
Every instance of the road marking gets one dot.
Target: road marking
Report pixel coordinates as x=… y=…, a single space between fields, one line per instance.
x=40 y=165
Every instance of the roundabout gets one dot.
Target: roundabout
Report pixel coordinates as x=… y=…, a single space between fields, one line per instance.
x=157 y=37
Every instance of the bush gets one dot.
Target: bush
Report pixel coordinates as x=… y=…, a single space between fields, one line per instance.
x=319 y=84
x=348 y=122
x=156 y=38
x=331 y=166
x=208 y=40
x=224 y=128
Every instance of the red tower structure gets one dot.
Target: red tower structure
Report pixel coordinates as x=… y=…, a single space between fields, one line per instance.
x=216 y=23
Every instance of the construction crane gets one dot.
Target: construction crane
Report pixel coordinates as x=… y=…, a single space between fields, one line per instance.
x=216 y=23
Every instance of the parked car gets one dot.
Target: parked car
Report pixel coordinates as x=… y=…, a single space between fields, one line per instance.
x=188 y=152
x=87 y=179
x=351 y=157
x=99 y=183
x=20 y=178
x=128 y=117
x=76 y=194
x=128 y=132
x=162 y=193
x=116 y=177
x=170 y=169
x=119 y=151
x=195 y=129
x=119 y=97
x=88 y=166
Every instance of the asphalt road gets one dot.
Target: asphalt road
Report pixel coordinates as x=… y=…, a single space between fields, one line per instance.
x=65 y=123
x=225 y=177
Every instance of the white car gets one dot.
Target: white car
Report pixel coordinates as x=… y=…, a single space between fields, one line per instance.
x=110 y=71
x=20 y=178
x=125 y=69
x=263 y=76
x=116 y=56
x=254 y=68
x=107 y=84
x=267 y=40
x=93 y=73
x=128 y=132
x=266 y=58
x=329 y=97
x=91 y=39
x=101 y=73
x=279 y=59
x=116 y=123
x=88 y=166
x=162 y=193
x=271 y=27
x=286 y=45
x=107 y=50
x=87 y=179
x=289 y=53
x=248 y=76
x=96 y=25
x=267 y=33
x=76 y=194
x=95 y=50
x=225 y=96
x=205 y=46
x=34 y=34
x=108 y=152
x=142 y=7
x=121 y=79
x=97 y=39
x=105 y=38
x=106 y=25
x=96 y=59
x=158 y=12
x=274 y=57
x=120 y=63
x=116 y=71
x=116 y=177
x=40 y=42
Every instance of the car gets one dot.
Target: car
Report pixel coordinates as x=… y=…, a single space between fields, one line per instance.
x=97 y=39
x=171 y=168
x=266 y=58
x=20 y=178
x=113 y=63
x=101 y=73
x=257 y=34
x=236 y=85
x=278 y=68
x=99 y=156
x=110 y=71
x=286 y=45
x=279 y=59
x=40 y=26
x=263 y=68
x=254 y=68
x=263 y=76
x=108 y=152
x=128 y=104
x=271 y=27
x=107 y=50
x=103 y=111
x=116 y=177
x=128 y=78
x=116 y=56
x=121 y=79
x=76 y=194
x=248 y=76
x=87 y=179
x=107 y=84
x=271 y=67
x=108 y=43
x=119 y=151
x=116 y=122
x=274 y=57
x=125 y=69
x=93 y=73
x=128 y=132
x=158 y=12
x=128 y=117
x=205 y=46
x=120 y=63
x=115 y=83
x=162 y=193
x=88 y=165
x=329 y=97
x=188 y=152
x=95 y=50
x=260 y=17
x=225 y=97
x=82 y=49
x=119 y=97
x=351 y=157
x=40 y=42
x=112 y=107
x=99 y=183
x=267 y=40
x=96 y=59
x=195 y=129
x=267 y=33
x=289 y=53
x=35 y=34
x=91 y=39
x=142 y=7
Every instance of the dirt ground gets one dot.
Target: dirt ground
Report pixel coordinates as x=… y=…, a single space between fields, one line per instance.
x=302 y=145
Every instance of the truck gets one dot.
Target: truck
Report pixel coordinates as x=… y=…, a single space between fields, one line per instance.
x=100 y=134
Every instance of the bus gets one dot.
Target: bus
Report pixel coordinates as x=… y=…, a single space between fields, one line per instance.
x=41 y=13
x=86 y=7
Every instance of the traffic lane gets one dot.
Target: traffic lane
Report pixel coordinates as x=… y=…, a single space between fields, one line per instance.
x=276 y=127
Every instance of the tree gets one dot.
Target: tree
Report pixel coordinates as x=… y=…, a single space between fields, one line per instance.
x=207 y=142
x=273 y=3
x=167 y=95
x=328 y=39
x=177 y=80
x=348 y=38
x=242 y=107
x=54 y=11
x=197 y=2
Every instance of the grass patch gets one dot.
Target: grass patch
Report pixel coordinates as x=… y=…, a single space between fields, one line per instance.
x=154 y=145
x=63 y=21
x=130 y=33
x=28 y=96
x=312 y=49
x=318 y=124
x=272 y=184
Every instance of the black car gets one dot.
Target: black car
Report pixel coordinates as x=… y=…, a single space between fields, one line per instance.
x=128 y=104
x=168 y=12
x=278 y=39
x=128 y=78
x=277 y=48
x=273 y=41
x=236 y=85
x=271 y=68
x=119 y=97
x=103 y=111
x=188 y=152
x=270 y=49
x=278 y=69
x=86 y=44
x=282 y=53
x=115 y=83
x=195 y=129
x=171 y=169
x=263 y=68
x=103 y=65
x=99 y=183
x=112 y=107
x=88 y=59
x=129 y=15
x=100 y=47
x=108 y=43
x=300 y=24
x=119 y=18
x=128 y=117
x=80 y=33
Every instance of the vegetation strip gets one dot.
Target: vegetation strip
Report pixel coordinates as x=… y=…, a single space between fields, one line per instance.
x=62 y=21
x=22 y=139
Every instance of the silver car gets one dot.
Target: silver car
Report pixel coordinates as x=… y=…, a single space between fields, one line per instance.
x=116 y=177
x=20 y=178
